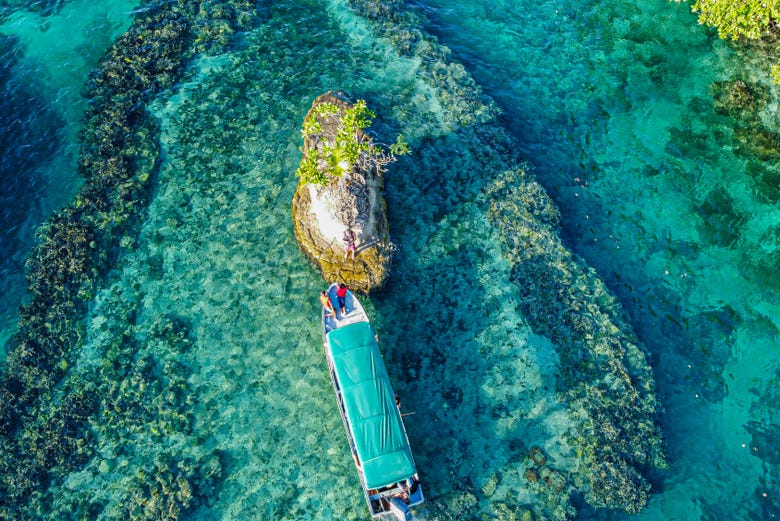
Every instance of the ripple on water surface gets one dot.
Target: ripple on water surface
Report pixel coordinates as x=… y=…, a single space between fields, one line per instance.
x=216 y=258
x=46 y=60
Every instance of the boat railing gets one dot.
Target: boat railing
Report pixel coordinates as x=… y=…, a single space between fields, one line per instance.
x=343 y=413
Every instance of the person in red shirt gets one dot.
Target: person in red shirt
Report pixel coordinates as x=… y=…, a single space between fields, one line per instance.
x=341 y=295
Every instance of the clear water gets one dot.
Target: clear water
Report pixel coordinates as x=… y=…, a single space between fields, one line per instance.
x=46 y=60
x=611 y=105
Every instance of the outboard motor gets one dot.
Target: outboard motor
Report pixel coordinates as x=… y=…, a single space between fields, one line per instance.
x=400 y=509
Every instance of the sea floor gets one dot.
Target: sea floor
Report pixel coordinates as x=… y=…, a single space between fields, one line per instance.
x=615 y=117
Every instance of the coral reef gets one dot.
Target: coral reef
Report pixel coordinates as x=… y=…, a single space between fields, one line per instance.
x=44 y=423
x=466 y=103
x=146 y=401
x=125 y=420
x=606 y=384
x=548 y=483
x=510 y=512
x=537 y=456
x=605 y=379
x=136 y=400
x=350 y=201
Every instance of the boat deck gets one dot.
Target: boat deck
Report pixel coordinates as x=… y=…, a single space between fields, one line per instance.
x=355 y=312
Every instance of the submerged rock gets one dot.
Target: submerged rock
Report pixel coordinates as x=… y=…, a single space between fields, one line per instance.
x=537 y=456
x=553 y=478
x=531 y=474
x=343 y=195
x=606 y=381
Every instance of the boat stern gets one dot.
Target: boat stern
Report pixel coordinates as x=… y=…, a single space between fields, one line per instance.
x=394 y=501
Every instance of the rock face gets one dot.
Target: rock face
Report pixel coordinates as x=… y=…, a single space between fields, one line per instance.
x=351 y=201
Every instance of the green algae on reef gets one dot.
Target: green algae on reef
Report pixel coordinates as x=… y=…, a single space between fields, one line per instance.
x=45 y=409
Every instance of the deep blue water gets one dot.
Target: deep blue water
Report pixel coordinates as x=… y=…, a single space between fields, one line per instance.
x=46 y=60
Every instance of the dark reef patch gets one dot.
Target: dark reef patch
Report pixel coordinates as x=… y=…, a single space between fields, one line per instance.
x=605 y=381
x=458 y=90
x=606 y=384
x=45 y=411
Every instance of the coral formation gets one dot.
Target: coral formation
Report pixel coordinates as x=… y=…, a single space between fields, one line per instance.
x=45 y=424
x=605 y=379
x=537 y=456
x=606 y=384
x=138 y=392
x=458 y=91
x=349 y=201
x=510 y=512
x=541 y=472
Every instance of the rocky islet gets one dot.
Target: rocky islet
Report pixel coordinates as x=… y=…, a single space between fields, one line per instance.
x=351 y=201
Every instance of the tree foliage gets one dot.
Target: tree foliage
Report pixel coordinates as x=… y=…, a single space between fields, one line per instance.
x=338 y=148
x=746 y=19
x=738 y=18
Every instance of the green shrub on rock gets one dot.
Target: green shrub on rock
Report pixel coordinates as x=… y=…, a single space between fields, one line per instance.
x=335 y=143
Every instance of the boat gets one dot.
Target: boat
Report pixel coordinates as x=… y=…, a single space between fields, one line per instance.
x=368 y=406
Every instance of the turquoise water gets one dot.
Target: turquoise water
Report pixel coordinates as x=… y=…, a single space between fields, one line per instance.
x=46 y=60
x=610 y=105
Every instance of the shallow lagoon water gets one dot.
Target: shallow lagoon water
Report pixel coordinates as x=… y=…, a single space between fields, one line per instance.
x=217 y=249
x=658 y=194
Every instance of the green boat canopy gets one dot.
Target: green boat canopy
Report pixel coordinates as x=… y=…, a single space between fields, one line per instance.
x=369 y=400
